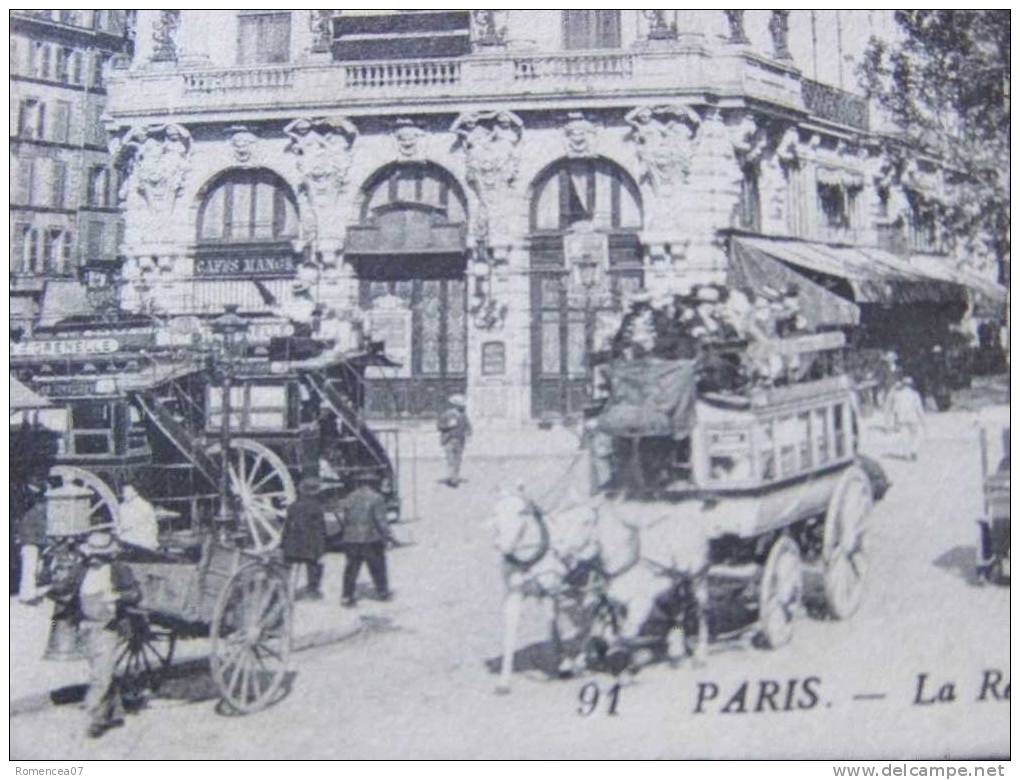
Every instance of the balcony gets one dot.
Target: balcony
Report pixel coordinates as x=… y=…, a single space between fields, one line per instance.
x=835 y=105
x=612 y=78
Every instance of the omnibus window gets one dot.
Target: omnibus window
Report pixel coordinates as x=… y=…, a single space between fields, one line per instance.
x=787 y=436
x=91 y=415
x=216 y=407
x=729 y=456
x=821 y=434
x=804 y=439
x=839 y=429
x=766 y=452
x=92 y=444
x=267 y=407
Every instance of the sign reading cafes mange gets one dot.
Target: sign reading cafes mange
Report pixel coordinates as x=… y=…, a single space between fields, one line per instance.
x=243 y=266
x=64 y=347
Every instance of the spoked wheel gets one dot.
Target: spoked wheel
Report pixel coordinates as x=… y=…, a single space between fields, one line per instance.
x=780 y=593
x=144 y=656
x=104 y=508
x=263 y=487
x=251 y=638
x=843 y=554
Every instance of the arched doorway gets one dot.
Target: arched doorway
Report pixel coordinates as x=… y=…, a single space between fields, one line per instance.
x=409 y=252
x=585 y=256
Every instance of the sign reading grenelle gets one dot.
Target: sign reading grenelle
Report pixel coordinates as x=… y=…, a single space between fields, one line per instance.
x=244 y=266
x=64 y=347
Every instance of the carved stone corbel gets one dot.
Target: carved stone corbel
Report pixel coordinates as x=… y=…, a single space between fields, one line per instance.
x=409 y=140
x=153 y=162
x=322 y=146
x=580 y=135
x=665 y=138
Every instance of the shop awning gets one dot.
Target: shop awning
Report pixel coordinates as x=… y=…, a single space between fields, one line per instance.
x=23 y=397
x=874 y=276
x=988 y=299
x=64 y=298
x=754 y=268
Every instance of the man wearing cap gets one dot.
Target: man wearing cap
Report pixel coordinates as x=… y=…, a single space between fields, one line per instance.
x=107 y=586
x=365 y=534
x=304 y=537
x=908 y=414
x=454 y=430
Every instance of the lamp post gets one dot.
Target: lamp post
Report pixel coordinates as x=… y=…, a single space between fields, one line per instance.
x=232 y=330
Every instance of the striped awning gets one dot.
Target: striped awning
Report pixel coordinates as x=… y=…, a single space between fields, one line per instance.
x=874 y=275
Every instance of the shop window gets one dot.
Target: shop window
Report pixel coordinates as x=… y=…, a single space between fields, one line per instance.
x=263 y=38
x=246 y=206
x=591 y=29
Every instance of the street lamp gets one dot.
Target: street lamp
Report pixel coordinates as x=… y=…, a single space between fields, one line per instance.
x=232 y=330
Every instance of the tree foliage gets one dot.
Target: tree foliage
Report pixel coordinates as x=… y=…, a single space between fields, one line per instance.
x=945 y=86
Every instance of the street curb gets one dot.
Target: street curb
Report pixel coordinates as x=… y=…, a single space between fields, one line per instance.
x=38 y=702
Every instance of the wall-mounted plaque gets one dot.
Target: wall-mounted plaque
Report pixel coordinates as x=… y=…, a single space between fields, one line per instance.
x=493 y=358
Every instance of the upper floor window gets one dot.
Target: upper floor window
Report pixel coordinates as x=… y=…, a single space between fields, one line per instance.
x=99 y=186
x=32 y=119
x=595 y=191
x=263 y=38
x=834 y=206
x=749 y=217
x=591 y=29
x=39 y=63
x=248 y=206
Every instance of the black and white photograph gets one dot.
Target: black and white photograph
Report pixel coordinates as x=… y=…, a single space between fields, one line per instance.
x=506 y=384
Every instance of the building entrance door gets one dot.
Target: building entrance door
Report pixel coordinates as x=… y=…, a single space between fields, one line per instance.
x=422 y=320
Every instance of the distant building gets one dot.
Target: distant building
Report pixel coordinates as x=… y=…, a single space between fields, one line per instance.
x=480 y=186
x=63 y=196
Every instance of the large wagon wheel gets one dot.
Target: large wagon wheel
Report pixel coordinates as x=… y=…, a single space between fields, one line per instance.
x=843 y=555
x=263 y=486
x=104 y=508
x=143 y=656
x=780 y=592
x=251 y=637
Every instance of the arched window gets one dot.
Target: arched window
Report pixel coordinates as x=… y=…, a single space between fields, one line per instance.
x=414 y=184
x=592 y=190
x=248 y=206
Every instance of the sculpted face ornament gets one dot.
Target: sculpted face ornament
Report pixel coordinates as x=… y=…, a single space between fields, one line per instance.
x=243 y=142
x=580 y=135
x=665 y=143
x=323 y=149
x=409 y=139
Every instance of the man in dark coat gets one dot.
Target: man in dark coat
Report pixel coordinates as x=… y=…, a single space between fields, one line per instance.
x=365 y=534
x=454 y=430
x=304 y=536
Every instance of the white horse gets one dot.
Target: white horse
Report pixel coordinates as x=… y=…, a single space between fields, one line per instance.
x=642 y=549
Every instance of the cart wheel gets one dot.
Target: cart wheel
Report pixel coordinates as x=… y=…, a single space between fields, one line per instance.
x=780 y=592
x=843 y=553
x=143 y=656
x=251 y=637
x=104 y=508
x=261 y=482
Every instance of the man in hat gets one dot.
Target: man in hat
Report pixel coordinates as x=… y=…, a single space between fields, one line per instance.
x=304 y=537
x=454 y=430
x=908 y=414
x=365 y=534
x=107 y=586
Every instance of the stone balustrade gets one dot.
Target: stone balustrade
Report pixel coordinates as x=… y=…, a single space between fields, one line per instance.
x=573 y=66
x=238 y=79
x=401 y=74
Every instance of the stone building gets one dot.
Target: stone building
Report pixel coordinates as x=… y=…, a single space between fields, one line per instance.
x=478 y=187
x=63 y=204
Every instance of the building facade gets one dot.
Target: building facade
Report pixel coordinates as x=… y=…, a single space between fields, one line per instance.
x=478 y=188
x=63 y=201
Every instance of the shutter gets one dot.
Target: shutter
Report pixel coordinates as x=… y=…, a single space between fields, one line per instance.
x=40 y=127
x=18 y=247
x=608 y=29
x=15 y=117
x=94 y=244
x=59 y=179
x=25 y=175
x=76 y=67
x=66 y=249
x=577 y=34
x=32 y=237
x=247 y=39
x=62 y=122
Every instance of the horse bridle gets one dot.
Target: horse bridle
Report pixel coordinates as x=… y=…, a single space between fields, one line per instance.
x=543 y=545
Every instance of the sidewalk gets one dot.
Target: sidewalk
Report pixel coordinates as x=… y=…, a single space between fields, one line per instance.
x=39 y=683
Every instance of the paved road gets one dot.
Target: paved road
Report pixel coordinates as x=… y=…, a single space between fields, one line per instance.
x=415 y=683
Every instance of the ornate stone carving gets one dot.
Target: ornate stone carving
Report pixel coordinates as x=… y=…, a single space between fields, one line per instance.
x=665 y=143
x=320 y=22
x=153 y=162
x=489 y=28
x=243 y=144
x=735 y=20
x=659 y=27
x=323 y=149
x=409 y=140
x=491 y=143
x=779 y=29
x=164 y=36
x=580 y=135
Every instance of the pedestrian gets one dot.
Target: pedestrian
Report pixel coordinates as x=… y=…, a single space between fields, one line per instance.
x=304 y=537
x=454 y=430
x=137 y=524
x=107 y=586
x=31 y=539
x=908 y=414
x=365 y=534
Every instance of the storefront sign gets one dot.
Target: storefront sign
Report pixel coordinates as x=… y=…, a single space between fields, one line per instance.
x=68 y=389
x=248 y=267
x=64 y=347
